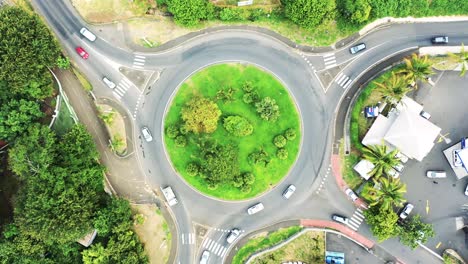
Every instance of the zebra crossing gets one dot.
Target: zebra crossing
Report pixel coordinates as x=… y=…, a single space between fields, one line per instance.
x=355 y=221
x=139 y=61
x=188 y=239
x=329 y=60
x=214 y=247
x=343 y=80
x=121 y=88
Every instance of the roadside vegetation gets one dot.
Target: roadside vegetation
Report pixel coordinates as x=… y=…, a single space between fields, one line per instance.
x=308 y=22
x=53 y=181
x=232 y=131
x=263 y=242
x=307 y=248
x=384 y=193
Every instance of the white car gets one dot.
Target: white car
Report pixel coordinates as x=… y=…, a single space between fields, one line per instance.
x=403 y=158
x=233 y=235
x=406 y=211
x=466 y=190
x=340 y=219
x=456 y=160
x=87 y=34
x=255 y=209
x=147 y=134
x=204 y=257
x=359 y=47
x=392 y=172
x=425 y=115
x=108 y=82
x=351 y=194
x=436 y=174
x=289 y=191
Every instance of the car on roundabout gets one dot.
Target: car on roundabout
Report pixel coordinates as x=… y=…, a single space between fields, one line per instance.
x=255 y=208
x=146 y=134
x=204 y=257
x=357 y=48
x=289 y=191
x=83 y=54
x=233 y=235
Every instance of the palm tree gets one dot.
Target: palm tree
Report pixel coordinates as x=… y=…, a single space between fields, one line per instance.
x=417 y=68
x=394 y=88
x=389 y=193
x=462 y=58
x=382 y=159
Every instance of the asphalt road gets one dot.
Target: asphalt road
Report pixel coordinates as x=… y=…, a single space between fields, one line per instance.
x=316 y=106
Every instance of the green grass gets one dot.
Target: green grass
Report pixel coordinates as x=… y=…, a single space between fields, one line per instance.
x=351 y=177
x=84 y=82
x=257 y=244
x=206 y=83
x=64 y=122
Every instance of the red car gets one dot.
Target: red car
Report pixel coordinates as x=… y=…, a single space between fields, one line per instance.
x=82 y=53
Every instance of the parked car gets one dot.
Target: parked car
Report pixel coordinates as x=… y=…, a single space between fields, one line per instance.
x=147 y=134
x=425 y=115
x=399 y=167
x=340 y=219
x=233 y=235
x=439 y=40
x=87 y=34
x=406 y=211
x=393 y=173
x=82 y=52
x=436 y=174
x=289 y=191
x=357 y=48
x=204 y=257
x=351 y=194
x=108 y=82
x=255 y=209
x=466 y=190
x=403 y=158
x=456 y=160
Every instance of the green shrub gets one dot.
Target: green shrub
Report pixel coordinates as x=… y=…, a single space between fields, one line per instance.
x=256 y=14
x=268 y=109
x=309 y=13
x=248 y=178
x=238 y=126
x=193 y=169
x=231 y=14
x=213 y=186
x=183 y=130
x=172 y=131
x=280 y=141
x=180 y=141
x=282 y=154
x=247 y=86
x=250 y=97
x=189 y=12
x=260 y=157
x=246 y=188
x=290 y=134
x=238 y=181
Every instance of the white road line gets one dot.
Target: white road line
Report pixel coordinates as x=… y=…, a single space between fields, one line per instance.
x=219 y=250
x=358 y=215
x=343 y=81
x=329 y=55
x=210 y=246
x=140 y=56
x=216 y=247
x=117 y=95
x=139 y=60
x=223 y=252
x=330 y=66
x=117 y=91
x=138 y=67
x=338 y=80
x=329 y=59
x=127 y=81
x=193 y=239
x=183 y=241
x=138 y=63
x=347 y=84
x=352 y=227
x=339 y=76
x=359 y=210
x=356 y=222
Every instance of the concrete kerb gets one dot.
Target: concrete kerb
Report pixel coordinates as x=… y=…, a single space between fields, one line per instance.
x=65 y=99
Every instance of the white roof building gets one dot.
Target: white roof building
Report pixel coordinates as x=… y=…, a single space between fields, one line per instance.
x=404 y=130
x=364 y=167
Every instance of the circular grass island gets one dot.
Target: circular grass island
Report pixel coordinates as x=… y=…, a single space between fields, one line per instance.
x=232 y=131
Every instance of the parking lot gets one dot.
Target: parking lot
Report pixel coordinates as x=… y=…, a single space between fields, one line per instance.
x=439 y=201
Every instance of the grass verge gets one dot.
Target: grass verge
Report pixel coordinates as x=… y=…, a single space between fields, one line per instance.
x=207 y=83
x=64 y=121
x=307 y=248
x=260 y=243
x=84 y=82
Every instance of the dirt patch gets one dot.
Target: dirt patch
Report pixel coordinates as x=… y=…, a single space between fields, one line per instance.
x=116 y=127
x=307 y=248
x=153 y=232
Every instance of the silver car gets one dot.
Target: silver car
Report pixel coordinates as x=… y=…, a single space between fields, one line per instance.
x=255 y=209
x=359 y=47
x=436 y=174
x=340 y=219
x=351 y=194
x=289 y=191
x=204 y=257
x=109 y=83
x=147 y=134
x=233 y=235
x=406 y=211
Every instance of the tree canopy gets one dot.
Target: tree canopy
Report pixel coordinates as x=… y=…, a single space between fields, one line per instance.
x=189 y=12
x=309 y=13
x=383 y=222
x=414 y=231
x=201 y=115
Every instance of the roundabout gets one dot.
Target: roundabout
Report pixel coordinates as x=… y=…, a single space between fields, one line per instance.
x=258 y=151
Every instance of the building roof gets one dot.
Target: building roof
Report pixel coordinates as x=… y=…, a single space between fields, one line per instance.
x=412 y=134
x=375 y=135
x=410 y=105
x=363 y=167
x=88 y=239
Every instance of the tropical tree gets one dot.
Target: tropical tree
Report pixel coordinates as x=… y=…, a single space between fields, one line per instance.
x=388 y=193
x=394 y=88
x=414 y=231
x=383 y=222
x=382 y=159
x=461 y=58
x=417 y=68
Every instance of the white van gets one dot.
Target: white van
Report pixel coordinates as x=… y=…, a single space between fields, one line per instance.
x=87 y=34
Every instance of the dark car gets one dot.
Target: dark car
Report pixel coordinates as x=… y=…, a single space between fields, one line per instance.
x=82 y=52
x=359 y=47
x=439 y=40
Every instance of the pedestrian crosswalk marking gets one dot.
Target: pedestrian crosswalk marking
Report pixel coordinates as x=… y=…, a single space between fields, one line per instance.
x=356 y=220
x=214 y=247
x=329 y=60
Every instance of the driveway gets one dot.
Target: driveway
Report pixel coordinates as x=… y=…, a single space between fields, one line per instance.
x=446 y=102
